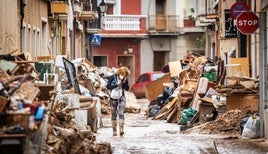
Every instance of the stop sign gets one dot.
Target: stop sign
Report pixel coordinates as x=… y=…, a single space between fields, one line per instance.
x=247 y=22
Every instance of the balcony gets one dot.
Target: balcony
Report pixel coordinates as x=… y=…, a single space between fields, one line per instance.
x=59 y=7
x=92 y=26
x=123 y=22
x=164 y=24
x=110 y=1
x=77 y=8
x=87 y=12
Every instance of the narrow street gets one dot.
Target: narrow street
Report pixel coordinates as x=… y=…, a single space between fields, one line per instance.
x=146 y=136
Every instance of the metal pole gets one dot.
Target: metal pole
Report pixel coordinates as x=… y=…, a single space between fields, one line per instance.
x=255 y=47
x=90 y=51
x=262 y=79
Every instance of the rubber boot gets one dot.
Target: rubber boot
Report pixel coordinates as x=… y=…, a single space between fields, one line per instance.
x=114 y=126
x=121 y=126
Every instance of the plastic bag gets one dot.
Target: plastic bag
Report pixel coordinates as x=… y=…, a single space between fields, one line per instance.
x=116 y=93
x=187 y=115
x=251 y=128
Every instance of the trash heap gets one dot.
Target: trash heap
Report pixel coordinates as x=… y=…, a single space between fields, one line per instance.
x=205 y=94
x=55 y=103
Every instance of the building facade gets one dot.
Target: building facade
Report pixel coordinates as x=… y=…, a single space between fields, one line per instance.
x=172 y=32
x=122 y=29
x=146 y=35
x=226 y=41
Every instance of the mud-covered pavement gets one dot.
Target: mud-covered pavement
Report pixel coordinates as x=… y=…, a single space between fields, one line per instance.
x=146 y=136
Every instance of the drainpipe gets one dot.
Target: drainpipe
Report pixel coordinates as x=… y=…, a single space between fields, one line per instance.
x=255 y=46
x=22 y=5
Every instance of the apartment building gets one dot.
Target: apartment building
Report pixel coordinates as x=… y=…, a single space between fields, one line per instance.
x=146 y=35
x=9 y=30
x=227 y=41
x=24 y=27
x=172 y=32
x=34 y=32
x=123 y=27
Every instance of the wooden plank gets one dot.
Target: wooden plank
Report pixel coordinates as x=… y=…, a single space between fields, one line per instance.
x=175 y=115
x=13 y=135
x=155 y=88
x=190 y=85
x=30 y=90
x=201 y=88
x=3 y=103
x=246 y=102
x=244 y=65
x=174 y=68
x=45 y=58
x=166 y=109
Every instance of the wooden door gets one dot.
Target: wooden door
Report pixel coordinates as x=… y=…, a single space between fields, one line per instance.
x=159 y=60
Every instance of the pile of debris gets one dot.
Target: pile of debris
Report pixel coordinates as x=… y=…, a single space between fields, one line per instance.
x=227 y=123
x=55 y=103
x=202 y=93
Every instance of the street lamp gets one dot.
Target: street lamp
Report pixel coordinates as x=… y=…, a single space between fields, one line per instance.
x=103 y=7
x=102 y=10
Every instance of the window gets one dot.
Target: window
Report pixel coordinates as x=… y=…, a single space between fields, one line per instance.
x=100 y=61
x=33 y=42
x=28 y=47
x=23 y=39
x=157 y=76
x=143 y=78
x=38 y=43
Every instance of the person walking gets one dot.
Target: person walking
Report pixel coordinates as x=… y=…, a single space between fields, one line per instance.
x=117 y=84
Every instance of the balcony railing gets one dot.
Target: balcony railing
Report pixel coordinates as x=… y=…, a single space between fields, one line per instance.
x=122 y=22
x=92 y=25
x=110 y=1
x=87 y=11
x=164 y=23
x=59 y=7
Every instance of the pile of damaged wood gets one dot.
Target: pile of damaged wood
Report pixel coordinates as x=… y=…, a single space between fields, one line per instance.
x=197 y=89
x=41 y=106
x=55 y=100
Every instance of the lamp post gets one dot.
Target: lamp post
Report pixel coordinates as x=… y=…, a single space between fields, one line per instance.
x=102 y=8
x=102 y=11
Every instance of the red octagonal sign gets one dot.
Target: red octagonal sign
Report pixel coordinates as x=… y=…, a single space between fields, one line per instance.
x=247 y=22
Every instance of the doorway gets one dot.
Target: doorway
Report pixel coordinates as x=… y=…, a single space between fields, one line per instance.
x=128 y=61
x=100 y=61
x=159 y=60
x=160 y=15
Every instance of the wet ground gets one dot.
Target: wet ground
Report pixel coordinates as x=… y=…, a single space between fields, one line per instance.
x=146 y=136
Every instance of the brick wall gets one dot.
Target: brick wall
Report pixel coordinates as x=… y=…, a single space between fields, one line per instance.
x=34 y=10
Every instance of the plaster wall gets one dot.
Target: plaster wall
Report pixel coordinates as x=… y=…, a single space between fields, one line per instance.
x=9 y=28
x=187 y=42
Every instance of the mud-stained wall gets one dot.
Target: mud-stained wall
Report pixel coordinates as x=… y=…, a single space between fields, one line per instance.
x=9 y=36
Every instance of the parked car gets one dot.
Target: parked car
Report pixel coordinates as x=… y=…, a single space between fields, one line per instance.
x=138 y=88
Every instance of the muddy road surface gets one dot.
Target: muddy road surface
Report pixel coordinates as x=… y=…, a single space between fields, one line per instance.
x=146 y=136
